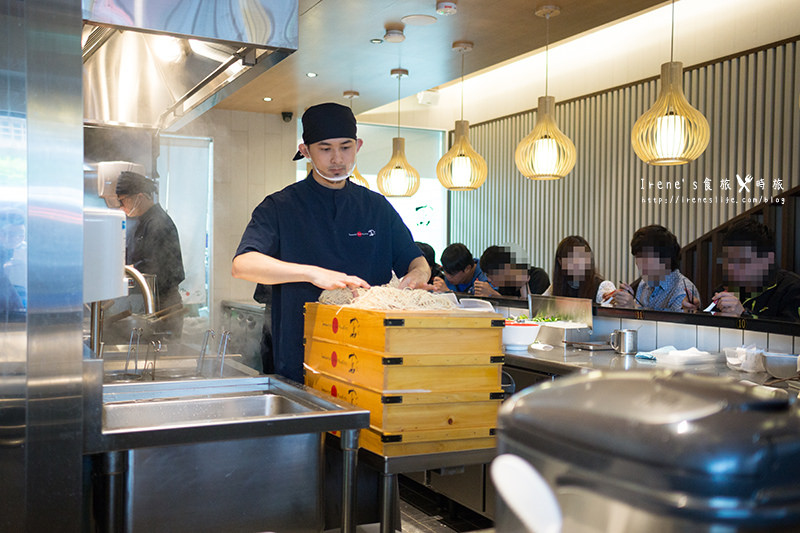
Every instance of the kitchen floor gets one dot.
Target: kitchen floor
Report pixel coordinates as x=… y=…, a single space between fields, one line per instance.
x=422 y=511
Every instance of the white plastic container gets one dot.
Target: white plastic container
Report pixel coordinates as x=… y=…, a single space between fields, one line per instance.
x=103 y=254
x=520 y=335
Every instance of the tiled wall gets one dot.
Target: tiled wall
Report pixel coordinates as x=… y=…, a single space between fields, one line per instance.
x=252 y=158
x=653 y=334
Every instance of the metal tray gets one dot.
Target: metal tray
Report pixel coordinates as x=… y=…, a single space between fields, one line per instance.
x=590 y=346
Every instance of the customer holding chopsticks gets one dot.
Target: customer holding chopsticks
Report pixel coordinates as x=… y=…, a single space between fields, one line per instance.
x=661 y=286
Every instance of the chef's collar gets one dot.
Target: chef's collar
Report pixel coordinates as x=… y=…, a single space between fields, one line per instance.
x=327 y=121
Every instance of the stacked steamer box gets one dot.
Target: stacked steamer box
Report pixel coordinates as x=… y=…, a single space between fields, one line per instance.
x=430 y=379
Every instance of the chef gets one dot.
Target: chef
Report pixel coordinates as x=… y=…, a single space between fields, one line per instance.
x=155 y=247
x=323 y=233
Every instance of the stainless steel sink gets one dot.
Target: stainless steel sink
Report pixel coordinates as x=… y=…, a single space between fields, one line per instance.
x=160 y=413
x=253 y=446
x=179 y=412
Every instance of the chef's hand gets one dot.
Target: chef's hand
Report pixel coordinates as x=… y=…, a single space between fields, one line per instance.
x=623 y=296
x=439 y=285
x=483 y=288
x=417 y=276
x=728 y=303
x=331 y=279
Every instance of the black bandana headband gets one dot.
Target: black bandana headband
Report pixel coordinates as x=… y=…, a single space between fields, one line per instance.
x=130 y=183
x=327 y=121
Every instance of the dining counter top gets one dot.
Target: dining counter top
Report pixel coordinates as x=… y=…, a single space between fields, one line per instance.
x=566 y=360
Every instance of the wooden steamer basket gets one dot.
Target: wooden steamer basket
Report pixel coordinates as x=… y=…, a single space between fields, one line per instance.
x=431 y=379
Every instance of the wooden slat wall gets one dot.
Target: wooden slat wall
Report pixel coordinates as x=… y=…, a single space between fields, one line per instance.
x=751 y=103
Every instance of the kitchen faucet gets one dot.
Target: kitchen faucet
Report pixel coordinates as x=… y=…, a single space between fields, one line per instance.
x=147 y=293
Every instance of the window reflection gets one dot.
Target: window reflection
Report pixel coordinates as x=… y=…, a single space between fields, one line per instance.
x=13 y=284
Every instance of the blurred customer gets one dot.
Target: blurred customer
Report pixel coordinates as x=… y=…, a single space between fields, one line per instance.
x=460 y=270
x=574 y=272
x=755 y=285
x=430 y=257
x=155 y=247
x=661 y=286
x=508 y=276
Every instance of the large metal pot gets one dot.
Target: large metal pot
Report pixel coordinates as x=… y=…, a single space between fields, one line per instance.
x=659 y=452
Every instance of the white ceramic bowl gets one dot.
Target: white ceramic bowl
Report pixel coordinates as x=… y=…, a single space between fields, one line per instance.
x=520 y=335
x=781 y=365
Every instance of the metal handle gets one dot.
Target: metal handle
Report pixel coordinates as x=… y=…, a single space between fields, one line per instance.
x=203 y=348
x=223 y=346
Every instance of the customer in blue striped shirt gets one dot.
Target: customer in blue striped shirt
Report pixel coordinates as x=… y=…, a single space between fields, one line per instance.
x=661 y=286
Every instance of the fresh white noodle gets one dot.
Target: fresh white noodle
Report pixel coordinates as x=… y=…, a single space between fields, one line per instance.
x=387 y=296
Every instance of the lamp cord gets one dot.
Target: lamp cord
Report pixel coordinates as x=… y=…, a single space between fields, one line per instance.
x=399 y=77
x=672 y=37
x=547 y=56
x=462 y=85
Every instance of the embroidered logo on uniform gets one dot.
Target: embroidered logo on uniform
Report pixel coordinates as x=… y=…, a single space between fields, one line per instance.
x=368 y=233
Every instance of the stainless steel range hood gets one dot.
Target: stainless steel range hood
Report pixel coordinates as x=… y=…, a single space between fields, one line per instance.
x=162 y=64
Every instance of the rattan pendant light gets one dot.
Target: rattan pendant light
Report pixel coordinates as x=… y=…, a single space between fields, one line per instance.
x=398 y=177
x=461 y=168
x=546 y=153
x=356 y=176
x=672 y=132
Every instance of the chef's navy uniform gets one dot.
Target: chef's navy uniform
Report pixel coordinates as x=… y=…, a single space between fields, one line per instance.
x=477 y=275
x=156 y=249
x=351 y=230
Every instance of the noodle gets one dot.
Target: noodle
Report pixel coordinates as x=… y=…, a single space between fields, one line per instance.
x=387 y=296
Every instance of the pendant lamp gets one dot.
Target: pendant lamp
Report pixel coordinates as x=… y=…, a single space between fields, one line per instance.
x=398 y=177
x=546 y=153
x=356 y=176
x=461 y=168
x=672 y=132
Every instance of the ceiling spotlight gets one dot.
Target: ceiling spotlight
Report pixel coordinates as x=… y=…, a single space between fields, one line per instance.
x=311 y=74
x=376 y=41
x=446 y=8
x=394 y=36
x=418 y=20
x=167 y=48
x=267 y=98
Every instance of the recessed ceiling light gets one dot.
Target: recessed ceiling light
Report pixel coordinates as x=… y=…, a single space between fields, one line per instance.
x=267 y=98
x=311 y=74
x=418 y=20
x=376 y=41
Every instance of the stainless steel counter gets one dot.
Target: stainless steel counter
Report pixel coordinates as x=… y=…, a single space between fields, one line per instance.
x=163 y=451
x=560 y=361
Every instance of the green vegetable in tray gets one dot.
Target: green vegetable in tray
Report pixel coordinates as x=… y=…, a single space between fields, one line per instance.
x=547 y=318
x=537 y=318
